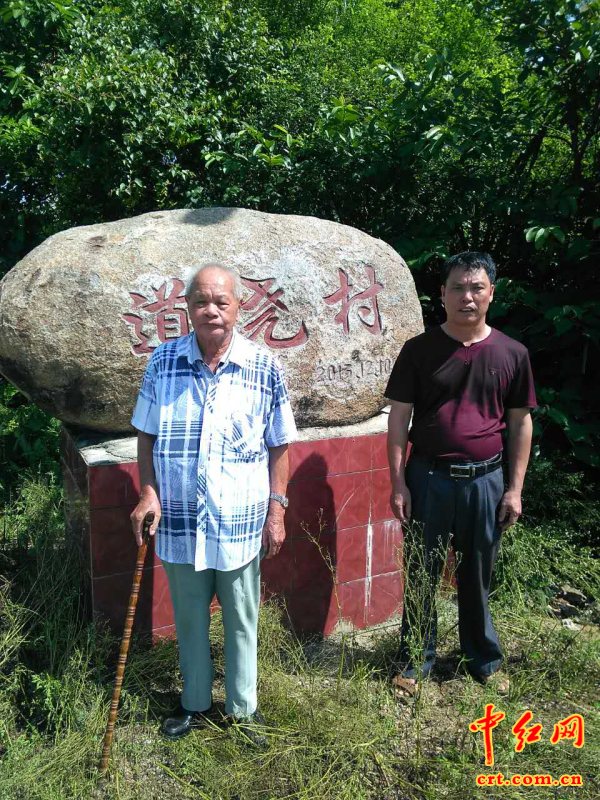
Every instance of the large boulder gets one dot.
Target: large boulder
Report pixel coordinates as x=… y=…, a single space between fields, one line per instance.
x=81 y=313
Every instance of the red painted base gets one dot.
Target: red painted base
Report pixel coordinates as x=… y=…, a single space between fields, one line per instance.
x=340 y=562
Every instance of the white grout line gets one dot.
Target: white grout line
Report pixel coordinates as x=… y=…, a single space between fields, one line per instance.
x=368 y=569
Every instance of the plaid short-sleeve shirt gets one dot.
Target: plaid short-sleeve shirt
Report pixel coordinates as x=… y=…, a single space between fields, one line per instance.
x=211 y=456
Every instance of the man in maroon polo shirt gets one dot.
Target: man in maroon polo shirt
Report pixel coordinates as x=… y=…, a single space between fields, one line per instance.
x=469 y=390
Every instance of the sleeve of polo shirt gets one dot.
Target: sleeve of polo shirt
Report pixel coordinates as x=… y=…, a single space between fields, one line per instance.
x=521 y=393
x=281 y=427
x=146 y=412
x=402 y=381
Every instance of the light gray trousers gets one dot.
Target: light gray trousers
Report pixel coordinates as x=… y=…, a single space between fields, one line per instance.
x=238 y=593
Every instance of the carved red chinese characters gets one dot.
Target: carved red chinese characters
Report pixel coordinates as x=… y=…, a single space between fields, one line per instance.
x=164 y=315
x=367 y=300
x=264 y=305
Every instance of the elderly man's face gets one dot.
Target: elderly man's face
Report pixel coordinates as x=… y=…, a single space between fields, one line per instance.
x=212 y=307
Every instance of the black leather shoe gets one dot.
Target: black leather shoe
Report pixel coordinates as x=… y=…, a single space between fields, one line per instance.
x=183 y=722
x=250 y=728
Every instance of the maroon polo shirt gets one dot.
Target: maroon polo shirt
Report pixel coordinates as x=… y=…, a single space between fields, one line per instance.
x=460 y=394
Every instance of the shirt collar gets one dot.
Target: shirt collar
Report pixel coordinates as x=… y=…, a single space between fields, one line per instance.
x=236 y=352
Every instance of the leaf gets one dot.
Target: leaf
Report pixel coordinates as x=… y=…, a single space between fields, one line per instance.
x=434 y=133
x=530 y=234
x=540 y=238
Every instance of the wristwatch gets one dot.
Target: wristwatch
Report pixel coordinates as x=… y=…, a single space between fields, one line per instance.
x=281 y=498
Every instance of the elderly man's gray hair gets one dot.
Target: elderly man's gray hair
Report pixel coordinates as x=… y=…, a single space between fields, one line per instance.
x=238 y=290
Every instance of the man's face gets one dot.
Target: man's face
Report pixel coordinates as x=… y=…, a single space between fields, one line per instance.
x=212 y=307
x=466 y=296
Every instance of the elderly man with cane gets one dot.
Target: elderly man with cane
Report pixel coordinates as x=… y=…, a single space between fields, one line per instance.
x=466 y=386
x=214 y=421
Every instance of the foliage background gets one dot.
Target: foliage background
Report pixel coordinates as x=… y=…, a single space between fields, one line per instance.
x=436 y=125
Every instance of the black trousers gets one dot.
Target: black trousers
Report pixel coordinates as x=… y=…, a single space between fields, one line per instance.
x=466 y=510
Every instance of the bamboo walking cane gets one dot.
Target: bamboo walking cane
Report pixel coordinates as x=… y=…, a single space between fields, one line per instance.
x=133 y=598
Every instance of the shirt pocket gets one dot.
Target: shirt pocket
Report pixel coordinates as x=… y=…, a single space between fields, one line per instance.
x=245 y=435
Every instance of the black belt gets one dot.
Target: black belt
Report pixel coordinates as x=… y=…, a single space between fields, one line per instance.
x=463 y=469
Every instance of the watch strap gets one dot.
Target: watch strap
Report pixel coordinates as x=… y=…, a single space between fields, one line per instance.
x=281 y=498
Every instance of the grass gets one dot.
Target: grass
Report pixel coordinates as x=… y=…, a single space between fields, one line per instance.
x=338 y=731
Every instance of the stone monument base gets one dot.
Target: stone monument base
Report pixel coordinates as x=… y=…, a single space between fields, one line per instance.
x=339 y=566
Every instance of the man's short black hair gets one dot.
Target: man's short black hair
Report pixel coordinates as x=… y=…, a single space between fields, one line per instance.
x=470 y=261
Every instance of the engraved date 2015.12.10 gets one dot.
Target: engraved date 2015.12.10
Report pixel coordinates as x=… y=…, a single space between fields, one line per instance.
x=351 y=371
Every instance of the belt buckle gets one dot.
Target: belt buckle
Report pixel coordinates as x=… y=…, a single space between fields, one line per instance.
x=462 y=471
